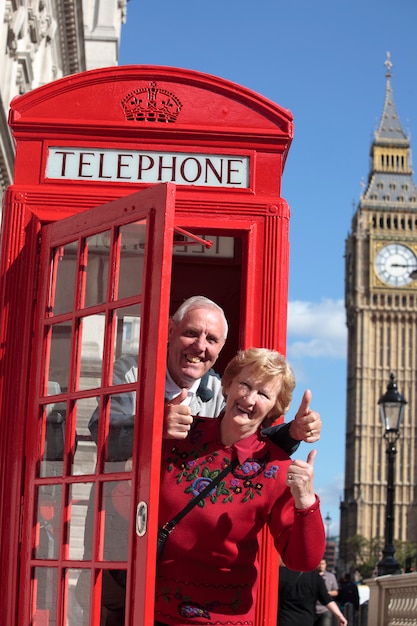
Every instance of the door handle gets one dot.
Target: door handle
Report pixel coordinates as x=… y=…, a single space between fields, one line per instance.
x=141 y=518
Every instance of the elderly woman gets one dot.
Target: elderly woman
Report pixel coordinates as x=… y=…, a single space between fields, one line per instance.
x=208 y=571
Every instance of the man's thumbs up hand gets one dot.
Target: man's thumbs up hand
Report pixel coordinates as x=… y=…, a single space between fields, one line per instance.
x=177 y=417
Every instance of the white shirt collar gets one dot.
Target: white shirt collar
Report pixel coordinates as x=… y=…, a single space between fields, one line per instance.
x=172 y=390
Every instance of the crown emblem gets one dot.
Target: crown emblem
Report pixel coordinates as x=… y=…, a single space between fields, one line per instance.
x=151 y=104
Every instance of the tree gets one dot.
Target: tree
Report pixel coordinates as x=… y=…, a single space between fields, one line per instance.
x=364 y=554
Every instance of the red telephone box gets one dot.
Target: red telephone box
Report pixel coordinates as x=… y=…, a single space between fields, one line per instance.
x=135 y=187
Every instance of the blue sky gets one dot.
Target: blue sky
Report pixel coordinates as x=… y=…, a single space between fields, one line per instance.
x=324 y=61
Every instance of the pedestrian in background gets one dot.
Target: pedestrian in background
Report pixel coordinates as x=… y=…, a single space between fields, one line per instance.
x=348 y=594
x=298 y=594
x=323 y=615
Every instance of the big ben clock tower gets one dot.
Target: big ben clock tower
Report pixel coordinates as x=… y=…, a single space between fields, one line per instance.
x=381 y=313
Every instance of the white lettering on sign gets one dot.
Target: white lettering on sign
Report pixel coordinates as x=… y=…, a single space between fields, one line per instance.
x=214 y=170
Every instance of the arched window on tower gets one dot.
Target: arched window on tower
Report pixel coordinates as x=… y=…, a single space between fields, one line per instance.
x=381 y=346
x=410 y=343
x=403 y=346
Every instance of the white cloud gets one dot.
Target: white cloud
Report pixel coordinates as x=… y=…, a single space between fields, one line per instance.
x=331 y=492
x=316 y=329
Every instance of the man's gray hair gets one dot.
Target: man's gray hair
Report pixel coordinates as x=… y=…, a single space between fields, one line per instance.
x=199 y=302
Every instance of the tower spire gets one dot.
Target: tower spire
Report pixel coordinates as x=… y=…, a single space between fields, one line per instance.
x=390 y=180
x=390 y=128
x=388 y=65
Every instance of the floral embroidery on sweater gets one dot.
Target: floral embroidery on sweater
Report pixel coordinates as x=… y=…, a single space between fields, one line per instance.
x=194 y=469
x=188 y=608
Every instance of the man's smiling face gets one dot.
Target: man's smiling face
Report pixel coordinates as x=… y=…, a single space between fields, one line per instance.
x=194 y=344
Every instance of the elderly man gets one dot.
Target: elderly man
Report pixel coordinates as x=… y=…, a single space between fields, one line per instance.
x=197 y=332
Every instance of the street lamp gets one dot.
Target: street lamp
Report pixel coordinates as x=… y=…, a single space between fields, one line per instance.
x=391 y=406
x=328 y=521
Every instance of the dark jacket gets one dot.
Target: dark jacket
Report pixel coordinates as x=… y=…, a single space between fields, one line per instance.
x=298 y=594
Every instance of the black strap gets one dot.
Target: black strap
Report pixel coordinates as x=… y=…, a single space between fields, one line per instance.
x=169 y=526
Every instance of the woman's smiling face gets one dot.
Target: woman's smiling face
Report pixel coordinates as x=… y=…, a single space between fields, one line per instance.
x=250 y=399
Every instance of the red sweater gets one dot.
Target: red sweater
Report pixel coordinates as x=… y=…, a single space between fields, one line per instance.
x=209 y=568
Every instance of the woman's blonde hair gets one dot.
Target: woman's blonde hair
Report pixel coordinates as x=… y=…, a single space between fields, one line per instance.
x=265 y=364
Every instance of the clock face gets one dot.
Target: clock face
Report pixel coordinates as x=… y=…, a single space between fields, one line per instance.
x=394 y=264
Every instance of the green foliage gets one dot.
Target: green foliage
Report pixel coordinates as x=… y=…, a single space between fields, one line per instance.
x=364 y=554
x=404 y=549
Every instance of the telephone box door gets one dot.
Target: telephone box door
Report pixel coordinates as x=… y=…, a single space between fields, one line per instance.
x=91 y=495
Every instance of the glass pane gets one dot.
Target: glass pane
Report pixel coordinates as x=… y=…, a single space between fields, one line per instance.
x=127 y=334
x=64 y=266
x=116 y=506
x=85 y=456
x=44 y=591
x=78 y=594
x=81 y=506
x=57 y=374
x=116 y=509
x=113 y=597
x=91 y=349
x=119 y=441
x=82 y=528
x=221 y=248
x=131 y=259
x=48 y=521
x=51 y=463
x=98 y=250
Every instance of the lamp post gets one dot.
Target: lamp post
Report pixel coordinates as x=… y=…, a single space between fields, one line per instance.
x=391 y=406
x=328 y=521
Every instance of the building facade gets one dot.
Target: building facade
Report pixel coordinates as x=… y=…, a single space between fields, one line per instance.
x=381 y=313
x=331 y=555
x=43 y=40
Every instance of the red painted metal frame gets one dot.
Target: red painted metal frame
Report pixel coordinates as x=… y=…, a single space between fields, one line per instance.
x=157 y=204
x=217 y=117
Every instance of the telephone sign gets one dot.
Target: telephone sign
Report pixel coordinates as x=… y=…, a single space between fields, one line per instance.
x=134 y=166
